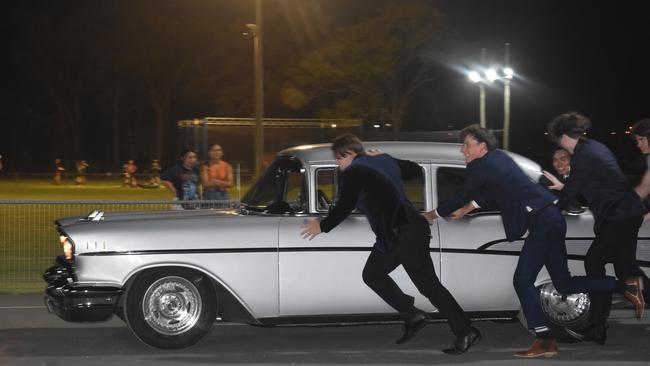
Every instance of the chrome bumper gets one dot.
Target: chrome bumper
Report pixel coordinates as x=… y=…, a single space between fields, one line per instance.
x=78 y=303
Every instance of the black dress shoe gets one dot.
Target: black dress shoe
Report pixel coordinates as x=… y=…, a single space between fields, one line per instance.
x=462 y=344
x=412 y=325
x=596 y=333
x=600 y=334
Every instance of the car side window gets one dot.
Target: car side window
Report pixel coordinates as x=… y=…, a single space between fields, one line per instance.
x=449 y=180
x=414 y=188
x=295 y=190
x=326 y=189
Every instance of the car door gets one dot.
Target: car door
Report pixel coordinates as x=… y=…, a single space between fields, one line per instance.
x=477 y=262
x=580 y=235
x=323 y=276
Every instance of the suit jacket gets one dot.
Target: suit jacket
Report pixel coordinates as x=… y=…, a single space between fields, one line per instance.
x=496 y=178
x=575 y=204
x=596 y=175
x=373 y=184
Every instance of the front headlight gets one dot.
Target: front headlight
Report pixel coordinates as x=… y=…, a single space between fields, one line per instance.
x=68 y=248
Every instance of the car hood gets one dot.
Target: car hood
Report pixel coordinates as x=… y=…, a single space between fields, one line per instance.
x=171 y=231
x=146 y=215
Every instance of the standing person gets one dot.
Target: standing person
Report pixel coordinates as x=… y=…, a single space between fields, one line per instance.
x=492 y=176
x=641 y=132
x=373 y=185
x=183 y=178
x=58 y=172
x=128 y=169
x=155 y=172
x=131 y=168
x=81 y=166
x=216 y=175
x=1 y=166
x=125 y=174
x=617 y=209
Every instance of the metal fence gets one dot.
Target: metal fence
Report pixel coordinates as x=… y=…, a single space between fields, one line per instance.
x=29 y=242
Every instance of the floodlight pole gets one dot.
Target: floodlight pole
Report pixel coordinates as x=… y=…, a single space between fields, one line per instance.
x=259 y=90
x=506 y=102
x=481 y=88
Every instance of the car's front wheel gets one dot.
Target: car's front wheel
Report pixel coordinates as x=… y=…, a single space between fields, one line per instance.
x=170 y=307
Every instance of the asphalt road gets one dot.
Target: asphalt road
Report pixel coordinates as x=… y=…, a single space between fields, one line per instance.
x=31 y=336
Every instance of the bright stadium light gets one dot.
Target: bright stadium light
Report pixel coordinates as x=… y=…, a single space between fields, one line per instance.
x=508 y=73
x=491 y=75
x=474 y=76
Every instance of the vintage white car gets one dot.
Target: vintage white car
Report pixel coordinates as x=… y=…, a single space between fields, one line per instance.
x=169 y=275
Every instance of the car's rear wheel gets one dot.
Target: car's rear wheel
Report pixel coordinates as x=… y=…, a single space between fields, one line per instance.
x=565 y=314
x=171 y=307
x=566 y=311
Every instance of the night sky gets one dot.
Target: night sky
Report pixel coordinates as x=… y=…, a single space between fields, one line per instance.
x=587 y=56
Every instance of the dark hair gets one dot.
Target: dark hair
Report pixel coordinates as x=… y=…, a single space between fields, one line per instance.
x=572 y=124
x=641 y=128
x=480 y=134
x=183 y=153
x=347 y=142
x=560 y=149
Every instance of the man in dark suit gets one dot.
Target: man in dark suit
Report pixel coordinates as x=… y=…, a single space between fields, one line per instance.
x=373 y=185
x=640 y=133
x=617 y=209
x=492 y=176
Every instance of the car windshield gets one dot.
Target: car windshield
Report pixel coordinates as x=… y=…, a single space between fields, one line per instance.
x=281 y=189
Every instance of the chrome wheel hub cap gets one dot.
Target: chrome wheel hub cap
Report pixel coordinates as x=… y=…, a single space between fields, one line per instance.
x=564 y=310
x=172 y=305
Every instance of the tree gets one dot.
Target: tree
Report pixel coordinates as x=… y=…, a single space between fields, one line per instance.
x=52 y=51
x=178 y=62
x=372 y=69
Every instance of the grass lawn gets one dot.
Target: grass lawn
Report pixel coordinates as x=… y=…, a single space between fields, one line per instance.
x=28 y=239
x=96 y=188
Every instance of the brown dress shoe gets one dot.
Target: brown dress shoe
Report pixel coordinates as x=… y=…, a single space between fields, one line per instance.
x=540 y=348
x=636 y=296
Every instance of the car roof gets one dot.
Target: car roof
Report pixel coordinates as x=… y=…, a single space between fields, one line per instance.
x=434 y=152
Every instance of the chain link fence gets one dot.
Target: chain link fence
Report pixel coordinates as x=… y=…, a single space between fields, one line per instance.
x=29 y=242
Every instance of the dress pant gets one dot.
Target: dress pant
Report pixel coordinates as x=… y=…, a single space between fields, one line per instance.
x=544 y=246
x=412 y=252
x=615 y=243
